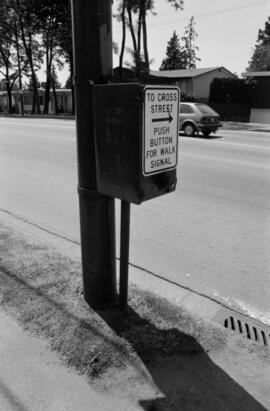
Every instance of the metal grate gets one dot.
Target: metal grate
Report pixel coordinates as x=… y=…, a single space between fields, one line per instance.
x=247 y=327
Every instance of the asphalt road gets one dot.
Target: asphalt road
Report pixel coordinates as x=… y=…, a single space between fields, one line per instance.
x=212 y=234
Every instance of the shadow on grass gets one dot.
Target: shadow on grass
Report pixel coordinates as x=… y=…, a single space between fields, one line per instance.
x=178 y=364
x=62 y=316
x=180 y=368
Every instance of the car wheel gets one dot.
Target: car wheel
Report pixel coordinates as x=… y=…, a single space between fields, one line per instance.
x=189 y=129
x=206 y=133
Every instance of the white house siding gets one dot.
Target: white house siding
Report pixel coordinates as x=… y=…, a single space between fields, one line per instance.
x=201 y=84
x=260 y=115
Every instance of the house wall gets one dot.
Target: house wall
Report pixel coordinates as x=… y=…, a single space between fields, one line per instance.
x=201 y=84
x=260 y=115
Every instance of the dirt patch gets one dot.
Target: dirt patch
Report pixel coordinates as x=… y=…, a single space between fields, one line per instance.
x=150 y=343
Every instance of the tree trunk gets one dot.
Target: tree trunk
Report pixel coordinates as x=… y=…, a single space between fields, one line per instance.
x=123 y=18
x=73 y=100
x=8 y=86
x=48 y=80
x=47 y=94
x=54 y=97
x=139 y=32
x=28 y=51
x=145 y=47
x=35 y=90
x=33 y=103
x=19 y=71
x=10 y=108
x=132 y=29
x=5 y=60
x=72 y=88
x=72 y=83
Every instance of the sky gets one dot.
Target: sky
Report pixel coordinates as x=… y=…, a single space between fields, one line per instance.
x=227 y=30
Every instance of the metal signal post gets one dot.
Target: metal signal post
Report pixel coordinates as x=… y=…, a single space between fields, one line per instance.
x=92 y=46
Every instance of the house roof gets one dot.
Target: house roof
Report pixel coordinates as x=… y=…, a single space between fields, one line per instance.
x=187 y=73
x=256 y=74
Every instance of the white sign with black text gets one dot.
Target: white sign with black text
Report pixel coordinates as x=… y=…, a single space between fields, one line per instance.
x=160 y=128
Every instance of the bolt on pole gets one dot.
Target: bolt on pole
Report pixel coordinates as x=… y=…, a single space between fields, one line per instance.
x=92 y=46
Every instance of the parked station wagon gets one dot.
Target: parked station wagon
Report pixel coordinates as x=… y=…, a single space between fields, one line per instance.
x=195 y=117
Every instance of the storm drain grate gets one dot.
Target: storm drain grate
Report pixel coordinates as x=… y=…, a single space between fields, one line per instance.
x=247 y=327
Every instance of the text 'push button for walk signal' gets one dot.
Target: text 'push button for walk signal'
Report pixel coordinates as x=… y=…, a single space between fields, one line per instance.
x=160 y=129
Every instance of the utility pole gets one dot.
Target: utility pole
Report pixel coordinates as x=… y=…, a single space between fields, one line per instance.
x=92 y=46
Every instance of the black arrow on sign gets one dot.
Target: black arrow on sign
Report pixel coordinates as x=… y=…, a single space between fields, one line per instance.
x=169 y=119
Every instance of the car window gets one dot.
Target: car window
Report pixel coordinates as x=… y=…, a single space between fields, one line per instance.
x=204 y=109
x=186 y=109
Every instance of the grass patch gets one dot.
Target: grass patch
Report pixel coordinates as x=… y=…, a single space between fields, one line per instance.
x=233 y=125
x=43 y=290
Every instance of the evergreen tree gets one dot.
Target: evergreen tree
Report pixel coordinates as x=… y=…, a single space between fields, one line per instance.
x=191 y=49
x=260 y=60
x=175 y=56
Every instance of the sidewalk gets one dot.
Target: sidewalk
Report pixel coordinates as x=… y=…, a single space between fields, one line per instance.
x=33 y=378
x=222 y=371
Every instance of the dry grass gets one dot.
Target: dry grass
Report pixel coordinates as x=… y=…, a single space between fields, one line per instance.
x=43 y=290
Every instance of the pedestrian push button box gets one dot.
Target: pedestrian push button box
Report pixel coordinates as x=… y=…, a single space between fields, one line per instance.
x=136 y=140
